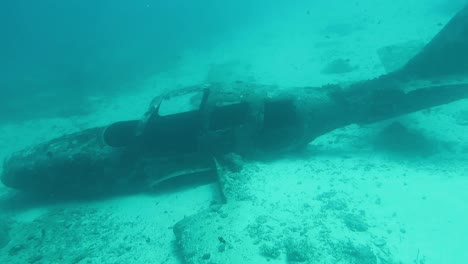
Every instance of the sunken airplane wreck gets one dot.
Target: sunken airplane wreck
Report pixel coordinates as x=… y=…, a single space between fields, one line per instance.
x=192 y=130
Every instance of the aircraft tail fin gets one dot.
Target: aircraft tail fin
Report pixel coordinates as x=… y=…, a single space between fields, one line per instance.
x=446 y=55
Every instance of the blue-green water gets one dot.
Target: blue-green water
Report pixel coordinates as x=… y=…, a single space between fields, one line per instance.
x=389 y=189
x=66 y=51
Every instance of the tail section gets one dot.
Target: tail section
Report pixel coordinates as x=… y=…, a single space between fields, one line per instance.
x=445 y=56
x=412 y=88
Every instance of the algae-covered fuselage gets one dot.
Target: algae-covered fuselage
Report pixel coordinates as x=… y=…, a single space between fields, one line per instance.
x=187 y=131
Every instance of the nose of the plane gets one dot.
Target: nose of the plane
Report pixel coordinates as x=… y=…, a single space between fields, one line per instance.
x=73 y=164
x=24 y=171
